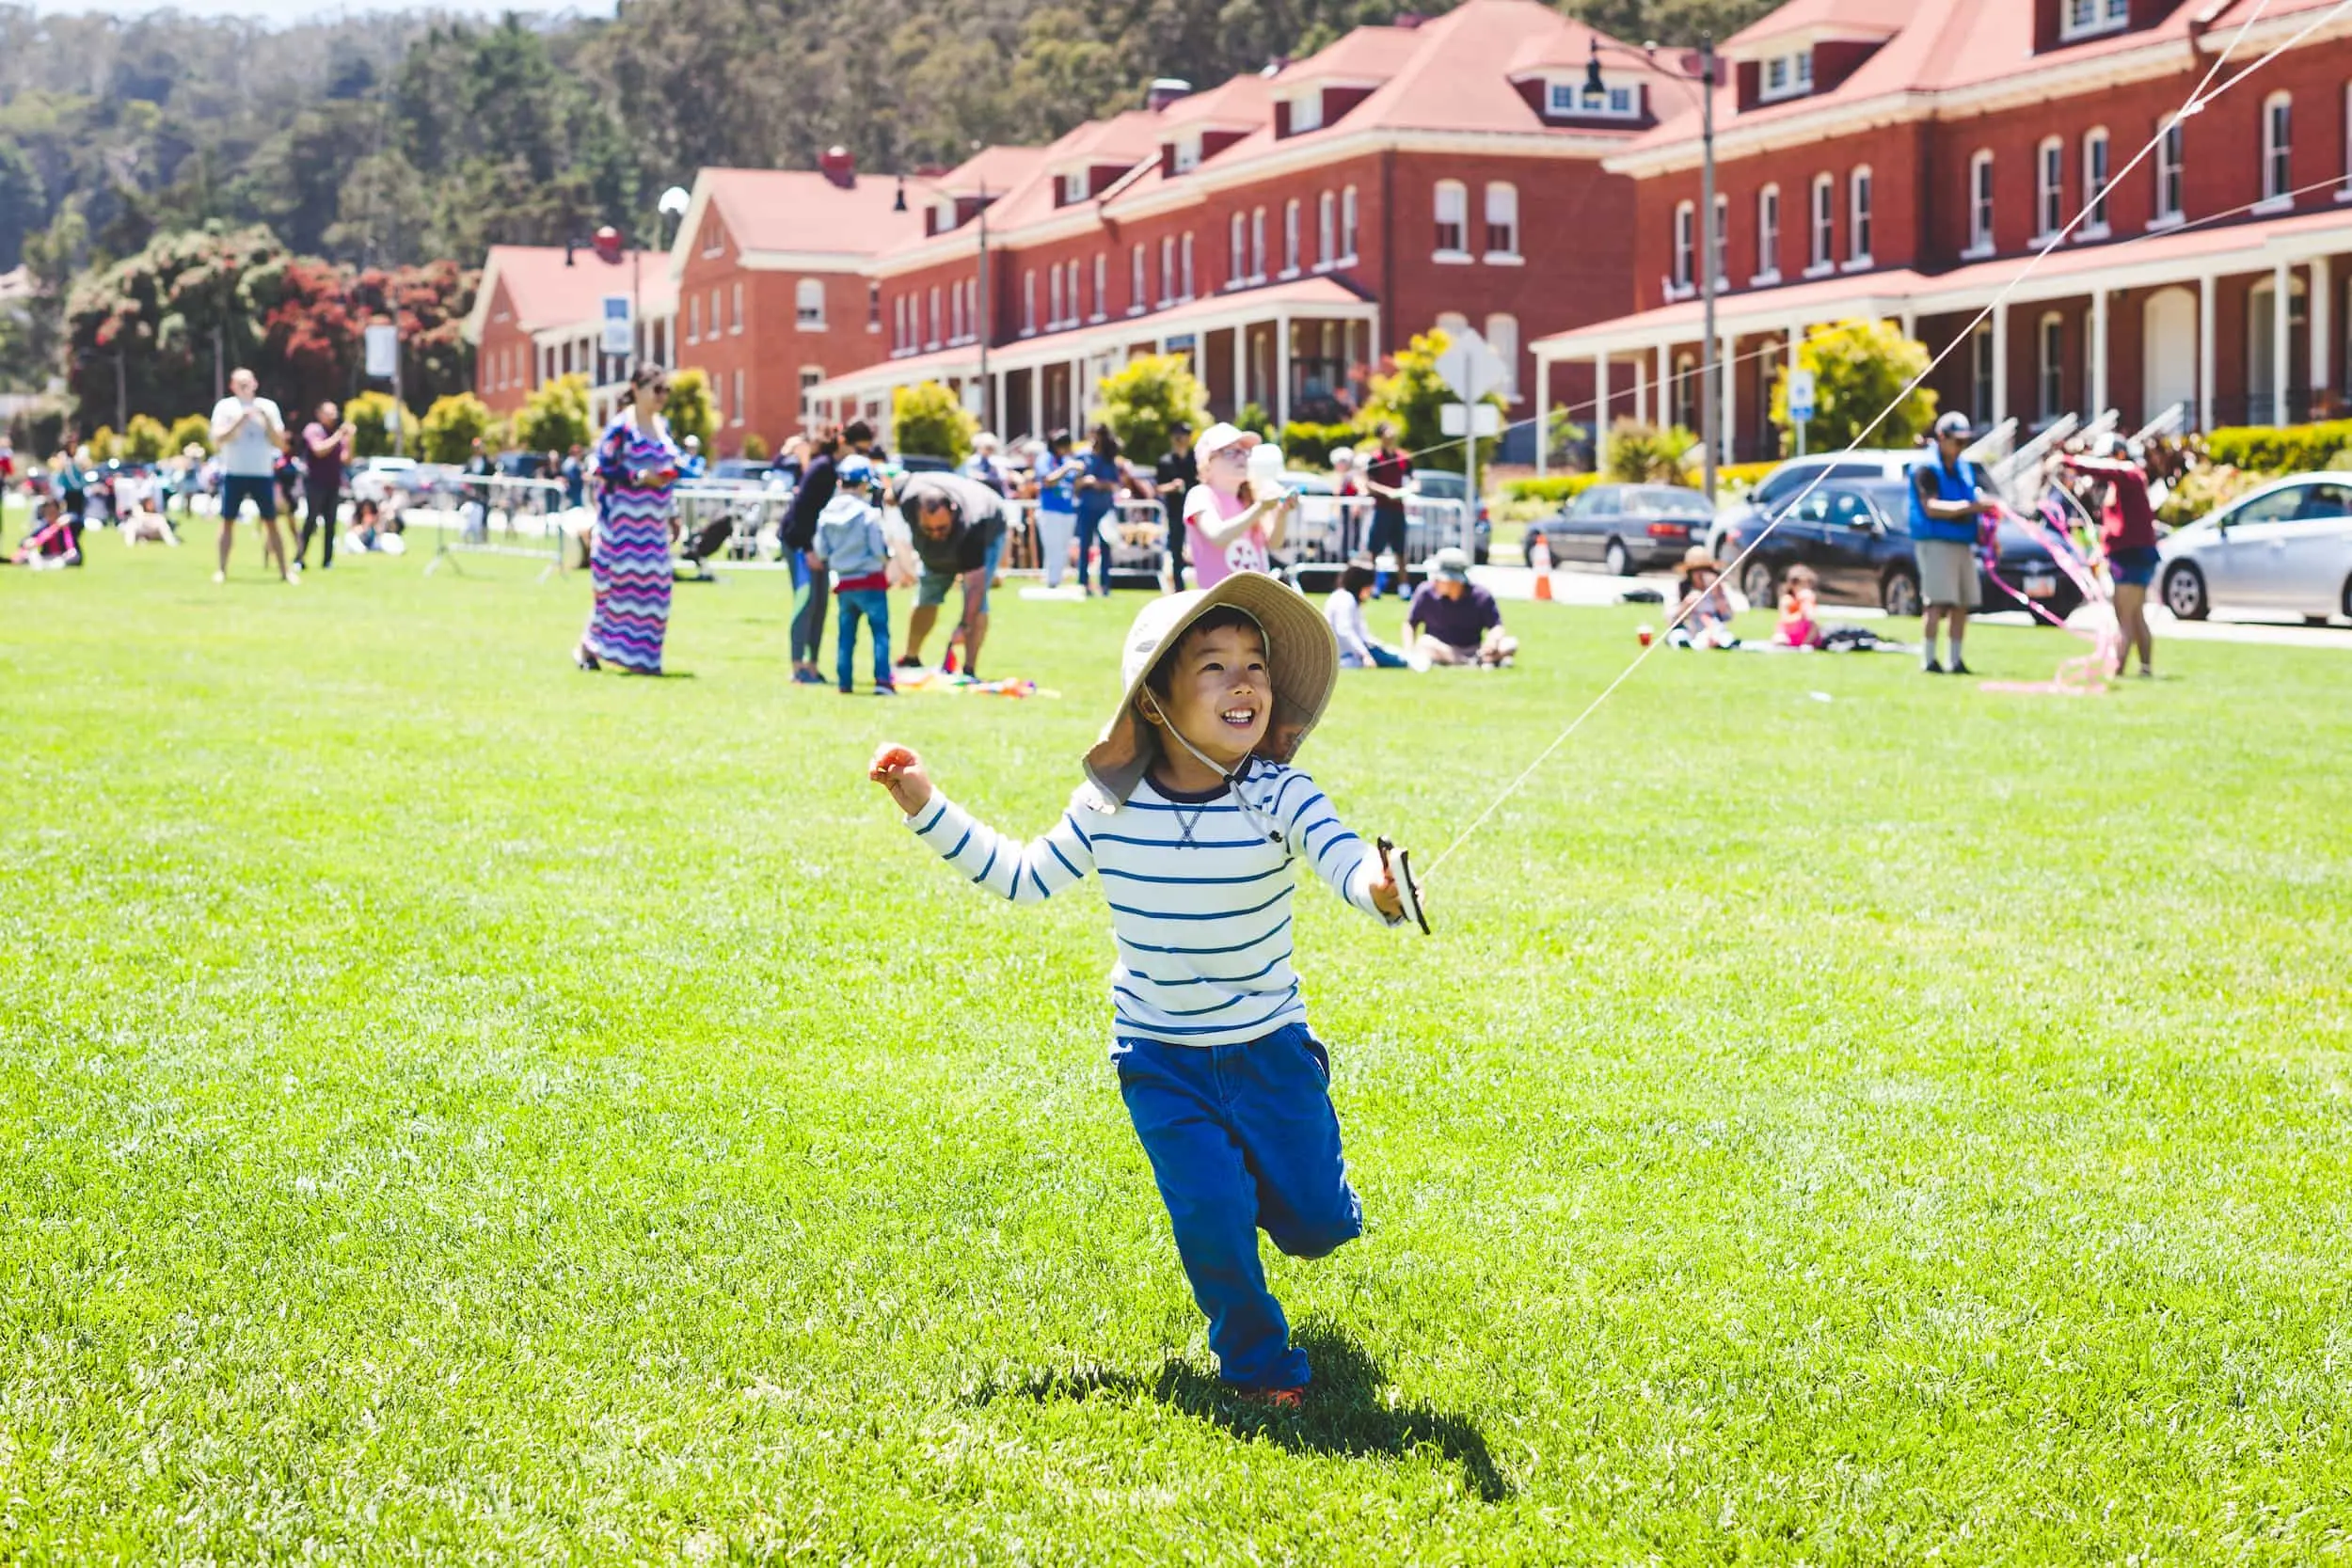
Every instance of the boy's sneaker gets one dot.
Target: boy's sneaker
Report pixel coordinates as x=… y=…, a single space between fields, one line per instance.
x=807 y=678
x=1283 y=1400
x=847 y=692
x=1931 y=668
x=885 y=691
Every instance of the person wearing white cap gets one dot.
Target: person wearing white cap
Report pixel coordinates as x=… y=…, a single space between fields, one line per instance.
x=1191 y=814
x=1229 y=527
x=1947 y=495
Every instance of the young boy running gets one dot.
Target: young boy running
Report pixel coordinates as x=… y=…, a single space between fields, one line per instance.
x=1191 y=815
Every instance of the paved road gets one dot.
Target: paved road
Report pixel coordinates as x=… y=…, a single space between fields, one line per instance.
x=1594 y=587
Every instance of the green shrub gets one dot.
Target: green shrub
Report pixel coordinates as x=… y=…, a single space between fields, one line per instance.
x=145 y=439
x=1860 y=368
x=2204 y=489
x=1410 y=398
x=189 y=430
x=1254 y=418
x=1552 y=488
x=1146 y=398
x=688 y=412
x=451 y=426
x=555 y=416
x=1737 y=479
x=1644 y=454
x=370 y=435
x=2279 y=448
x=756 y=448
x=1309 y=445
x=928 y=421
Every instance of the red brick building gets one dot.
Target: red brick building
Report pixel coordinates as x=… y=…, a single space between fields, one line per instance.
x=1905 y=159
x=537 y=315
x=1285 y=231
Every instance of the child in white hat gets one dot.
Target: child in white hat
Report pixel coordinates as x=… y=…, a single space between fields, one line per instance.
x=1191 y=815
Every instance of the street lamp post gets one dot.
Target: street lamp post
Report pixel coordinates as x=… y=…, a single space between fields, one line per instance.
x=1711 y=371
x=986 y=325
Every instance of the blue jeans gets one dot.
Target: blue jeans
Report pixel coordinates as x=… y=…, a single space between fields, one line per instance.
x=874 y=605
x=1091 y=538
x=1243 y=1137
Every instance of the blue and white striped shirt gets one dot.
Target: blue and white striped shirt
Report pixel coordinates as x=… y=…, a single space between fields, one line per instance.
x=1204 y=929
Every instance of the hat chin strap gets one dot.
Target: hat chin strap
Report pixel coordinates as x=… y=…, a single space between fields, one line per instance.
x=1263 y=823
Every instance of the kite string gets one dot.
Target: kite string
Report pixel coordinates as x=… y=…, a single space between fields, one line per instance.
x=2197 y=99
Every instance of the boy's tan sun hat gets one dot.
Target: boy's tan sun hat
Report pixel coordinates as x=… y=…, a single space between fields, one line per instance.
x=1303 y=653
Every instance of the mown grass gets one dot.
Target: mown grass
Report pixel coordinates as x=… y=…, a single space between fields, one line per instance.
x=453 y=1106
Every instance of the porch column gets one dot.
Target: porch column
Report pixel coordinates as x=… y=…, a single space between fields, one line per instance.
x=2281 y=277
x=1004 y=414
x=1241 y=369
x=2322 y=307
x=1641 y=388
x=1037 y=401
x=2205 y=352
x=1911 y=323
x=1727 y=365
x=2000 y=363
x=1600 y=411
x=2098 y=351
x=1543 y=412
x=1282 y=373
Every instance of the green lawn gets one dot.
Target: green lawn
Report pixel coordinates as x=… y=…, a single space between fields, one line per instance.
x=453 y=1106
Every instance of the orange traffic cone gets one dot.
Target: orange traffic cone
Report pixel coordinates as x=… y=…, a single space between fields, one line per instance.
x=1539 y=559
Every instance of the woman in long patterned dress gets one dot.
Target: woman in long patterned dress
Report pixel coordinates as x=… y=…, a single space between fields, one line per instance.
x=630 y=565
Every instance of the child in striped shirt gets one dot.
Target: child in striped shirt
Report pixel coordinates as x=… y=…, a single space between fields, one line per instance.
x=1191 y=816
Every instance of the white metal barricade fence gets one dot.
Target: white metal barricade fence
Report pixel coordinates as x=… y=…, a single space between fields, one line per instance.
x=733 y=525
x=495 y=514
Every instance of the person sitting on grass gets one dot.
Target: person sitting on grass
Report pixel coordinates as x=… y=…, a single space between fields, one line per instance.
x=850 y=543
x=1799 y=592
x=1192 y=814
x=1344 y=611
x=1703 y=615
x=1453 y=621
x=54 y=540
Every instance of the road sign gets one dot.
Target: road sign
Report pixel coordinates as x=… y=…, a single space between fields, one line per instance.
x=619 y=334
x=1471 y=368
x=383 y=340
x=1453 y=418
x=1800 y=394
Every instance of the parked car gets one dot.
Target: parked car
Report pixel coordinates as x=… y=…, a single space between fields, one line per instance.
x=739 y=468
x=1786 y=483
x=1626 y=527
x=376 y=478
x=924 y=463
x=1438 y=485
x=1856 y=536
x=2287 y=547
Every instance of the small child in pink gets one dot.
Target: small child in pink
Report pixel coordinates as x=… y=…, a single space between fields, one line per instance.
x=1798 y=595
x=1228 y=528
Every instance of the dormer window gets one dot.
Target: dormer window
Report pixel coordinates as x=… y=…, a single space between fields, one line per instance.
x=1563 y=100
x=1307 y=112
x=1073 y=188
x=1187 y=154
x=1788 y=76
x=2084 y=19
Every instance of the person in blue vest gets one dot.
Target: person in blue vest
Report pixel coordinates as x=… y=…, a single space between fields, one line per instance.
x=1947 y=495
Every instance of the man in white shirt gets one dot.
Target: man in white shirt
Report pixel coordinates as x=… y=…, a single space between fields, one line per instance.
x=248 y=433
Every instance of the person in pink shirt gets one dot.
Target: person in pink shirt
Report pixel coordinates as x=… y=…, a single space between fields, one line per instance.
x=1228 y=528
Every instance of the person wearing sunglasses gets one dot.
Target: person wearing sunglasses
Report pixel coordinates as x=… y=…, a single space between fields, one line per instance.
x=638 y=463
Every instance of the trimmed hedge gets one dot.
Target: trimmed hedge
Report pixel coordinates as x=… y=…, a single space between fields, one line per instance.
x=1309 y=445
x=1553 y=488
x=2281 y=449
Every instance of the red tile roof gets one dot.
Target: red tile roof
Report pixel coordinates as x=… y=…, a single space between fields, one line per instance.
x=545 y=293
x=1845 y=18
x=799 y=210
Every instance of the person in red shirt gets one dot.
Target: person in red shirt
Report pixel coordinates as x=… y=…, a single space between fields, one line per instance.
x=2127 y=537
x=1388 y=475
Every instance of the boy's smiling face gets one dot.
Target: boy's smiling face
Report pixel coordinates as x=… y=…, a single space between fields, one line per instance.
x=1220 y=693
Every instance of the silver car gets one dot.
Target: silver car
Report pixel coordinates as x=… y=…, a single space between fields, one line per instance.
x=2285 y=549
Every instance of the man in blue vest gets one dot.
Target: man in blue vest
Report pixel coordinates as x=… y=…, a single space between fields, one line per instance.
x=1947 y=499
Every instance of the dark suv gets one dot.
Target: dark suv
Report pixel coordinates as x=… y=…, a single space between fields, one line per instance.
x=1788 y=482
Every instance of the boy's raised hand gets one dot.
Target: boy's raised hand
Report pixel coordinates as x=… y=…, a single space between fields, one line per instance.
x=897 y=769
x=1384 y=895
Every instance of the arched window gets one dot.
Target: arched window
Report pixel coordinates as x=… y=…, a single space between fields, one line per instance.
x=955 y=314
x=1167 y=268
x=2049 y=187
x=1101 y=288
x=2277 y=126
x=1768 y=235
x=2050 y=365
x=1503 y=221
x=931 y=339
x=1502 y=336
x=2095 y=182
x=898 y=324
x=1290 y=238
x=1723 y=240
x=1980 y=203
x=1684 y=222
x=1237 y=265
x=1858 y=218
x=1053 y=300
x=735 y=322
x=1823 y=223
x=1327 y=229
x=1348 y=225
x=695 y=319
x=1452 y=209
x=1257 y=245
x=809 y=304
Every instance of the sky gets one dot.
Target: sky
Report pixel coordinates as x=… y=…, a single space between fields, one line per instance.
x=282 y=12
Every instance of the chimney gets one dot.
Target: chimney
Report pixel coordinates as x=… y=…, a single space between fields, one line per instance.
x=1166 y=91
x=1408 y=20
x=839 y=166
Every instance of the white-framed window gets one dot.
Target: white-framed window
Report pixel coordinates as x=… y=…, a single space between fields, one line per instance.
x=1101 y=286
x=2049 y=187
x=1858 y=218
x=1053 y=299
x=1237 y=264
x=2277 y=146
x=1572 y=97
x=1029 y=304
x=1723 y=240
x=1452 y=209
x=1980 y=203
x=898 y=324
x=1981 y=372
x=2095 y=182
x=714 y=237
x=738 y=400
x=1073 y=188
x=2169 y=177
x=1348 y=225
x=1307 y=112
x=931 y=338
x=1502 y=336
x=1187 y=157
x=716 y=318
x=719 y=399
x=1290 y=238
x=1768 y=235
x=955 y=313
x=1822 y=224
x=1326 y=228
x=1167 y=268
x=2050 y=366
x=1184 y=264
x=1686 y=222
x=1257 y=245
x=812 y=377
x=1135 y=280
x=2084 y=19
x=694 y=322
x=735 y=320
x=873 y=308
x=1503 y=221
x=1788 y=76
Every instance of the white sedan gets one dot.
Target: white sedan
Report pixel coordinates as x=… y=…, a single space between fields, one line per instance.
x=2285 y=549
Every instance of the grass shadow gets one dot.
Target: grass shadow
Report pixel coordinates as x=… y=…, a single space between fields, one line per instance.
x=1348 y=1412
